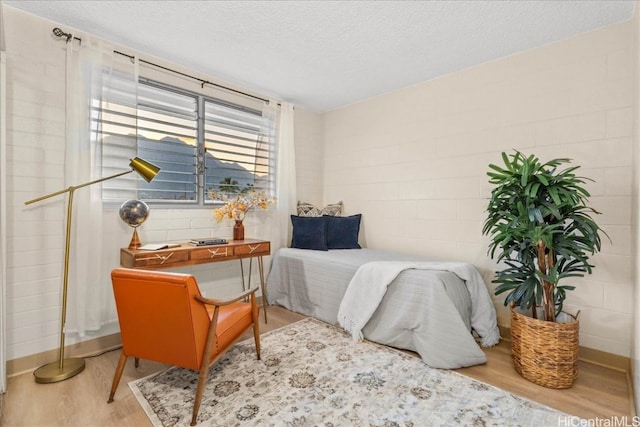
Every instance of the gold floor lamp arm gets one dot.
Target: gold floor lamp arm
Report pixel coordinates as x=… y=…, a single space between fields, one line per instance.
x=75 y=187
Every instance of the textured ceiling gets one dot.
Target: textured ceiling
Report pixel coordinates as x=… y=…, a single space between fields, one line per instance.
x=321 y=55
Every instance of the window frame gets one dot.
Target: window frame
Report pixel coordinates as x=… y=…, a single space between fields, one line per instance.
x=201 y=198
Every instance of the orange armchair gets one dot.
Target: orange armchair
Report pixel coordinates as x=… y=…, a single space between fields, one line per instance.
x=163 y=317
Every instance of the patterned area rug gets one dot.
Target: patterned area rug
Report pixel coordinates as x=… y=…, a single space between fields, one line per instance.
x=314 y=374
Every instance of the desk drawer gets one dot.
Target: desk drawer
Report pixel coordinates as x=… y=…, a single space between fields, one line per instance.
x=212 y=252
x=159 y=259
x=263 y=248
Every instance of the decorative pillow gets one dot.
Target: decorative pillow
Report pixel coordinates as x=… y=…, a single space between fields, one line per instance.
x=309 y=232
x=342 y=232
x=307 y=209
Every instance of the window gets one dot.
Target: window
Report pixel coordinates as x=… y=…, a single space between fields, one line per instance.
x=199 y=143
x=238 y=153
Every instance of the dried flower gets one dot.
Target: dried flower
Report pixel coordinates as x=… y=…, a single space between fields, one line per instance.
x=236 y=205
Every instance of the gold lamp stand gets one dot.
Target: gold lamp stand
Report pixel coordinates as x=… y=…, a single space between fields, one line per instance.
x=63 y=368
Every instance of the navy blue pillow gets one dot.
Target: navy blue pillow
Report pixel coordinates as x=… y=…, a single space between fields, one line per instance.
x=342 y=232
x=309 y=232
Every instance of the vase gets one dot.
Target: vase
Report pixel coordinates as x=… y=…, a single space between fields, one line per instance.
x=238 y=230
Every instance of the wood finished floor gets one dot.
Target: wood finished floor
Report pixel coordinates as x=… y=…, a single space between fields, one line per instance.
x=81 y=401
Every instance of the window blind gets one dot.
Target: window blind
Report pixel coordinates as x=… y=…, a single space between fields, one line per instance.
x=158 y=125
x=113 y=132
x=199 y=143
x=168 y=137
x=238 y=148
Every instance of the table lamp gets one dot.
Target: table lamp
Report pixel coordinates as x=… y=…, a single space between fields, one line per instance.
x=66 y=368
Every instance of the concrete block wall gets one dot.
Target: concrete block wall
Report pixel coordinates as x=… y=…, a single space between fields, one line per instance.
x=309 y=147
x=414 y=161
x=35 y=158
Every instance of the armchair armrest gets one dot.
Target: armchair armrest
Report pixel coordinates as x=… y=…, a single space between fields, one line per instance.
x=218 y=302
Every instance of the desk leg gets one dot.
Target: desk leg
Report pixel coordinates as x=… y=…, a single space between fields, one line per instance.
x=263 y=288
x=242 y=275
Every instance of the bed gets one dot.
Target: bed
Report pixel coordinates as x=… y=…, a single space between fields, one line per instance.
x=429 y=310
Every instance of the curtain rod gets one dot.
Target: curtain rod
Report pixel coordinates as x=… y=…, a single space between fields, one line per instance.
x=68 y=36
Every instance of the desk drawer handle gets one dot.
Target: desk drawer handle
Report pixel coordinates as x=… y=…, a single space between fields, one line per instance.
x=158 y=256
x=252 y=249
x=216 y=252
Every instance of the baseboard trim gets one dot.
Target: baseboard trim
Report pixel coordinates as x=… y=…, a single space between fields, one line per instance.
x=589 y=355
x=89 y=348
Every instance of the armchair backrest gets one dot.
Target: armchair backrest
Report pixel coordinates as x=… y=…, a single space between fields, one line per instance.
x=160 y=319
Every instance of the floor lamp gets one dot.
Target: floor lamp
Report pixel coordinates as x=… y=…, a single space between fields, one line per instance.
x=67 y=368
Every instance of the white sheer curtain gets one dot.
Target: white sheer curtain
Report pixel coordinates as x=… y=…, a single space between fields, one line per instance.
x=94 y=249
x=3 y=209
x=285 y=177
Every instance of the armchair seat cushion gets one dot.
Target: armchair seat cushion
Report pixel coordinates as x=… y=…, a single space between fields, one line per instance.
x=233 y=320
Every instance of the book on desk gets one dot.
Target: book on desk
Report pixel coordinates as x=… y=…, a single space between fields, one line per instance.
x=208 y=241
x=158 y=246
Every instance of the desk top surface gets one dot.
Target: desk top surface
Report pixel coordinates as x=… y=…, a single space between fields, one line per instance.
x=189 y=254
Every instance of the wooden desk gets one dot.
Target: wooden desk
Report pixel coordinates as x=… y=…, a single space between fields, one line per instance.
x=187 y=254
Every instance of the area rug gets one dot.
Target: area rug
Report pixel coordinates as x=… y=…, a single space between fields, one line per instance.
x=314 y=374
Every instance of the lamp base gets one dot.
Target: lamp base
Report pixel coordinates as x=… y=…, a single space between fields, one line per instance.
x=51 y=372
x=135 y=240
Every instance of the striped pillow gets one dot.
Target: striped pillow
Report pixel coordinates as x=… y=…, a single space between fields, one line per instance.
x=307 y=209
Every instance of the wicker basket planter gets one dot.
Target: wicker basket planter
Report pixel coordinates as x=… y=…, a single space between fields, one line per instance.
x=545 y=353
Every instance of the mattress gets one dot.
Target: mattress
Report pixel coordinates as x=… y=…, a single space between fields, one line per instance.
x=426 y=311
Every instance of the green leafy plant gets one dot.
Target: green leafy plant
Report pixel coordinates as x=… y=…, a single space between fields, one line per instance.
x=541 y=228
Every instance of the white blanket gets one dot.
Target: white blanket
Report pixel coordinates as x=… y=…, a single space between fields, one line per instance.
x=369 y=285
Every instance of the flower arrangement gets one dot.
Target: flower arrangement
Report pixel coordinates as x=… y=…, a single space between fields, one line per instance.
x=236 y=205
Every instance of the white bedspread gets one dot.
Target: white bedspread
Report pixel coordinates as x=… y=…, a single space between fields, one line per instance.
x=369 y=285
x=426 y=311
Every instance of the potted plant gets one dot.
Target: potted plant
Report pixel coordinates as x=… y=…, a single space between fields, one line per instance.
x=237 y=203
x=542 y=232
